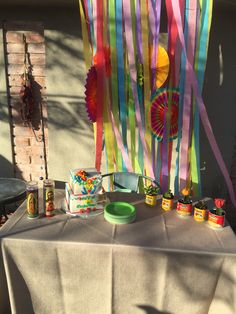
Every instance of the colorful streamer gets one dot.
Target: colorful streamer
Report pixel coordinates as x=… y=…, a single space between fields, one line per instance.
x=141 y=99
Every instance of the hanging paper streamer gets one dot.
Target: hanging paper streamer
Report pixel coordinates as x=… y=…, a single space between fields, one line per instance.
x=159 y=108
x=140 y=96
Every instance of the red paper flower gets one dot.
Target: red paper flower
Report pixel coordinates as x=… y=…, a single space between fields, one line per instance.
x=106 y=51
x=219 y=202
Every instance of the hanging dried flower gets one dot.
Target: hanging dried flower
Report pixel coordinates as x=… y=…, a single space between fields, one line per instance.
x=26 y=91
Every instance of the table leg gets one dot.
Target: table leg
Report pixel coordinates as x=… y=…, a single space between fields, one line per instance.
x=3 y=213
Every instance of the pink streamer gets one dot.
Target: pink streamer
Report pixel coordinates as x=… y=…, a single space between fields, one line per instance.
x=133 y=75
x=154 y=18
x=184 y=160
x=202 y=109
x=120 y=144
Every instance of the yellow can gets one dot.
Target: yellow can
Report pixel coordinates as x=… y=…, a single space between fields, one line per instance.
x=200 y=214
x=151 y=200
x=167 y=204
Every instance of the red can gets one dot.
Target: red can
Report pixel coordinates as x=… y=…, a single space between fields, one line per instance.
x=216 y=221
x=184 y=209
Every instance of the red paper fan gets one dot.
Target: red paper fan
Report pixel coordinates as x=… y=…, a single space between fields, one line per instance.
x=158 y=108
x=91 y=94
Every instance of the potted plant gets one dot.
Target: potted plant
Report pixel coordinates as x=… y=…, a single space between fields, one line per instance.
x=184 y=204
x=151 y=192
x=216 y=217
x=200 y=211
x=167 y=200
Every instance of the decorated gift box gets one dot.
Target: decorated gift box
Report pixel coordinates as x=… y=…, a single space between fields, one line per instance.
x=80 y=203
x=85 y=181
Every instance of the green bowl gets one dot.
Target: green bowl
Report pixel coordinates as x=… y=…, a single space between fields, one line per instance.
x=119 y=221
x=121 y=210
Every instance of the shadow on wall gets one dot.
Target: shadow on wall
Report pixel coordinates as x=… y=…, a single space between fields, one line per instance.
x=6 y=168
x=220 y=98
x=72 y=115
x=151 y=310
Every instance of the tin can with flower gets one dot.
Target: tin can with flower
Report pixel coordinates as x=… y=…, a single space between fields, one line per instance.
x=167 y=201
x=216 y=217
x=151 y=192
x=184 y=204
x=200 y=211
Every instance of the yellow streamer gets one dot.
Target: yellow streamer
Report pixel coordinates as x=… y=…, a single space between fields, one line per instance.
x=146 y=74
x=86 y=46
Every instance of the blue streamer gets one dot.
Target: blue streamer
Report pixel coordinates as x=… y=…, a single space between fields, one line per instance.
x=90 y=14
x=200 y=77
x=181 y=99
x=121 y=75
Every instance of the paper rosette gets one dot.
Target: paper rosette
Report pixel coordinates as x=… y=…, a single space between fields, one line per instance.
x=162 y=66
x=91 y=94
x=159 y=107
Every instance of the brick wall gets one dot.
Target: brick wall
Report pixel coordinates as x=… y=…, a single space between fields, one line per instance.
x=29 y=143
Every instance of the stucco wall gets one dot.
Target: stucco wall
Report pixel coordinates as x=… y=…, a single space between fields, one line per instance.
x=70 y=133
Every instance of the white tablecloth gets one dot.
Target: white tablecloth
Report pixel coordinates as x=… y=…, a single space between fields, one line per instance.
x=161 y=263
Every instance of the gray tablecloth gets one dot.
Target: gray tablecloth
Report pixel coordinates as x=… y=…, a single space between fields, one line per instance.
x=161 y=263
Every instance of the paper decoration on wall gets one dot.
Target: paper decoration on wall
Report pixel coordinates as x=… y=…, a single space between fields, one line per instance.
x=91 y=94
x=106 y=51
x=159 y=109
x=120 y=44
x=162 y=66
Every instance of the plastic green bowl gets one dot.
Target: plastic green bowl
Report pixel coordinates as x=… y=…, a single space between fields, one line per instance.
x=119 y=210
x=119 y=221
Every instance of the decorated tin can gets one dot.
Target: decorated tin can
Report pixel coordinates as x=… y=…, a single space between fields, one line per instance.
x=151 y=200
x=184 y=209
x=167 y=204
x=32 y=199
x=48 y=197
x=200 y=214
x=216 y=221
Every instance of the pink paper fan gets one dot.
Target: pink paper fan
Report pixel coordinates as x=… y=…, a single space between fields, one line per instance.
x=158 y=108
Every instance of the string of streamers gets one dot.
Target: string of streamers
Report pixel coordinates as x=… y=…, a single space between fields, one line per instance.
x=143 y=87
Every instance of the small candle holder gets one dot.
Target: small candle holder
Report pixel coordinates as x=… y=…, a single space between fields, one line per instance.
x=48 y=197
x=32 y=199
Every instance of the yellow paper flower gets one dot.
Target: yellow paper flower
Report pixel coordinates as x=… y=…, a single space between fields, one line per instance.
x=185 y=192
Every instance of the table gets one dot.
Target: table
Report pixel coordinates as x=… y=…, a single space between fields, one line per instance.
x=161 y=263
x=11 y=190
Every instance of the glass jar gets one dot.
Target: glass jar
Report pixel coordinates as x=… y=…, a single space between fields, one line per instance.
x=32 y=199
x=48 y=197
